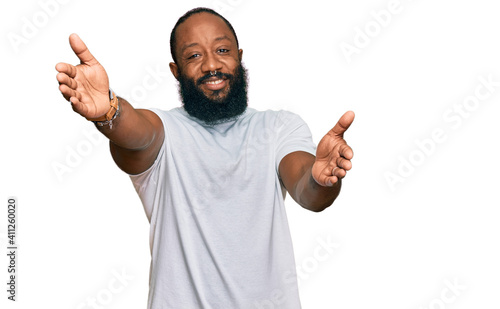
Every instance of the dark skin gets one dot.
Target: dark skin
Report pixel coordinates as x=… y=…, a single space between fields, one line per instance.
x=136 y=135
x=204 y=44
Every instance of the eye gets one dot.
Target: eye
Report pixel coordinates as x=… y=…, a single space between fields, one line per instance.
x=222 y=50
x=194 y=56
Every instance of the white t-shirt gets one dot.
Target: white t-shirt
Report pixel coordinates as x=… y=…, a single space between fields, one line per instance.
x=219 y=233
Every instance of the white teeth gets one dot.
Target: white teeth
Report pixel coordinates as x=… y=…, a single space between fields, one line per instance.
x=215 y=82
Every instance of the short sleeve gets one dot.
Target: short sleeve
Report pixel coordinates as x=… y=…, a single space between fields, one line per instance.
x=293 y=134
x=146 y=183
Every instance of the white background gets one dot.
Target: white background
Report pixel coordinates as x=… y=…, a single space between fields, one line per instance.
x=398 y=245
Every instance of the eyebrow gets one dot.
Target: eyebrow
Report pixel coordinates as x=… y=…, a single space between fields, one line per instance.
x=224 y=37
x=187 y=46
x=221 y=38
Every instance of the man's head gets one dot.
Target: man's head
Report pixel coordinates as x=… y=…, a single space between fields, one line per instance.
x=207 y=64
x=173 y=34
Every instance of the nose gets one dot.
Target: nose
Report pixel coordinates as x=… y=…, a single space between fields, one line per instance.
x=211 y=63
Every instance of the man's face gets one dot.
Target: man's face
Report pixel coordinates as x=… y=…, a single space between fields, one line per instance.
x=205 y=44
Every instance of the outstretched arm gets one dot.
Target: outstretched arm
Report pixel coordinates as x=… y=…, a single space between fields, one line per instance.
x=314 y=181
x=136 y=135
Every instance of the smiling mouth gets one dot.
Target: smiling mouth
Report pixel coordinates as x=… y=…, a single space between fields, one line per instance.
x=215 y=83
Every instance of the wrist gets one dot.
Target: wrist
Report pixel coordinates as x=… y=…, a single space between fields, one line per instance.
x=113 y=107
x=113 y=112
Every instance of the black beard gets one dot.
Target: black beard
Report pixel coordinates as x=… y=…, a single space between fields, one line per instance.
x=221 y=108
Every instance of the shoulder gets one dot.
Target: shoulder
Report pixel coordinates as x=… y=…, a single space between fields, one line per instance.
x=174 y=112
x=283 y=119
x=173 y=117
x=277 y=117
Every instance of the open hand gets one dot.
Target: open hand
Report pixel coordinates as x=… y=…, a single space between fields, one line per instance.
x=85 y=85
x=333 y=155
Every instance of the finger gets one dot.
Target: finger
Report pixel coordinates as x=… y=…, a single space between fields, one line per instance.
x=76 y=104
x=64 y=79
x=65 y=97
x=343 y=124
x=346 y=152
x=330 y=181
x=344 y=163
x=338 y=172
x=69 y=93
x=81 y=50
x=66 y=68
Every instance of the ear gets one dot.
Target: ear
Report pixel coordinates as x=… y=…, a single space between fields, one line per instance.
x=240 y=54
x=174 y=69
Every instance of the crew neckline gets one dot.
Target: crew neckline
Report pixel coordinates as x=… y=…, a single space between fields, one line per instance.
x=222 y=122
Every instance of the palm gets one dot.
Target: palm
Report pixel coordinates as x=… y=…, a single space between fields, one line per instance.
x=333 y=155
x=86 y=85
x=93 y=86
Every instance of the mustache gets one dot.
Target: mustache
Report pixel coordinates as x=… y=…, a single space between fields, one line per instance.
x=200 y=80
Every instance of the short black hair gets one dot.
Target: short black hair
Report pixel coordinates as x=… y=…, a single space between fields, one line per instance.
x=188 y=14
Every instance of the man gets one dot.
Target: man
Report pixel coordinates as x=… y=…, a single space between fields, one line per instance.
x=212 y=174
